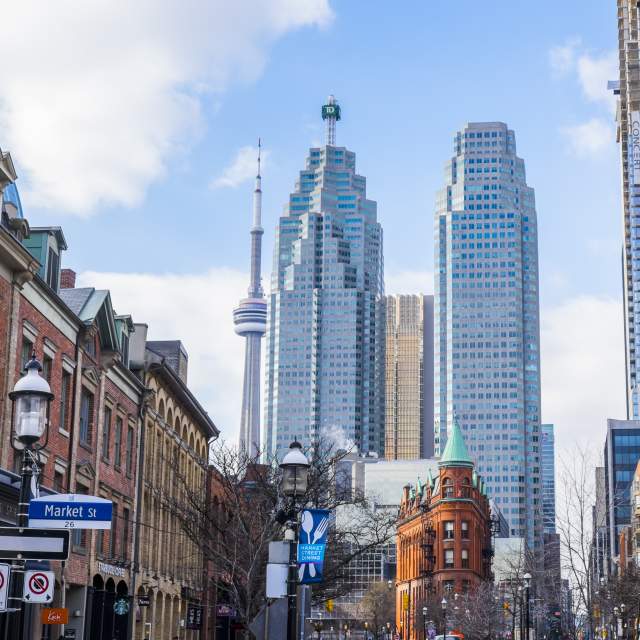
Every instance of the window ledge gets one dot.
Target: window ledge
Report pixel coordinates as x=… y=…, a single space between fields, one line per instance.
x=64 y=432
x=86 y=446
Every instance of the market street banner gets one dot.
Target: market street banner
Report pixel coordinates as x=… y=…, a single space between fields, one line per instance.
x=311 y=545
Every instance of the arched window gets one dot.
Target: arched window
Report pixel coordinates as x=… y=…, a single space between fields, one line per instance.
x=447 y=488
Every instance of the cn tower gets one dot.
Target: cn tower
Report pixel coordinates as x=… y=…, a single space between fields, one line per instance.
x=250 y=320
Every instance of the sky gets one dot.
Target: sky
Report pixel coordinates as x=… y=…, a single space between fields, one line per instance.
x=134 y=126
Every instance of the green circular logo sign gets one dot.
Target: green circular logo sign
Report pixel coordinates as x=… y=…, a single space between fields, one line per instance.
x=121 y=607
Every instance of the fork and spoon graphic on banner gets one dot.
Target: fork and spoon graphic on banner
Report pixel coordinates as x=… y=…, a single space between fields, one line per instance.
x=307 y=527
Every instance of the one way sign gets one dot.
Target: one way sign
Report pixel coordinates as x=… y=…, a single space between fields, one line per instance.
x=38 y=586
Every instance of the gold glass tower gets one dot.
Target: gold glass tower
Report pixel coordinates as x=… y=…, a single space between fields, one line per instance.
x=408 y=420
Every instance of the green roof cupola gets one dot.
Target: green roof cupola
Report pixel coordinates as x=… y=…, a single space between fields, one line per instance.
x=455 y=453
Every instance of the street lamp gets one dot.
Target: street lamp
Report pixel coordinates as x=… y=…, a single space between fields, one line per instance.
x=527 y=586
x=30 y=399
x=424 y=621
x=443 y=604
x=295 y=475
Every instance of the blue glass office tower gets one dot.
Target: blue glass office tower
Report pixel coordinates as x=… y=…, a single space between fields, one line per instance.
x=325 y=331
x=548 y=466
x=487 y=337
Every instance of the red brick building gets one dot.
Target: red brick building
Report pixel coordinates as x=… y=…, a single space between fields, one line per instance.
x=443 y=536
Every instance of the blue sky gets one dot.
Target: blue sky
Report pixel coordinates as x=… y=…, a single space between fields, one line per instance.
x=160 y=127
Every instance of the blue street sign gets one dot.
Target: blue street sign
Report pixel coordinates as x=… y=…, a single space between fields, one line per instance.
x=313 y=541
x=70 y=511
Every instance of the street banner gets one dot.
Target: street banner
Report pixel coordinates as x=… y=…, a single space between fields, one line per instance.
x=312 y=544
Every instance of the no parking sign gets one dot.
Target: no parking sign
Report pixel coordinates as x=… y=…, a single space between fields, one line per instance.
x=38 y=586
x=4 y=585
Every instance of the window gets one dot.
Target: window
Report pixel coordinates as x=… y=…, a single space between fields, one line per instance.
x=117 y=444
x=464 y=527
x=47 y=365
x=448 y=488
x=448 y=530
x=129 y=451
x=53 y=267
x=465 y=558
x=448 y=558
x=25 y=355
x=125 y=349
x=106 y=433
x=90 y=346
x=58 y=481
x=114 y=532
x=86 y=416
x=65 y=398
x=125 y=533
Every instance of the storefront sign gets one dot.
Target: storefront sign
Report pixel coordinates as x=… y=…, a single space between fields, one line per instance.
x=313 y=541
x=111 y=569
x=224 y=610
x=194 y=616
x=121 y=607
x=144 y=601
x=70 y=634
x=54 y=616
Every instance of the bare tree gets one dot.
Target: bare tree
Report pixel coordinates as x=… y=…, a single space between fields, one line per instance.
x=242 y=512
x=378 y=606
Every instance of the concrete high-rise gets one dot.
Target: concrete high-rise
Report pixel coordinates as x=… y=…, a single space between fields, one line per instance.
x=325 y=335
x=548 y=468
x=250 y=319
x=487 y=337
x=409 y=377
x=628 y=116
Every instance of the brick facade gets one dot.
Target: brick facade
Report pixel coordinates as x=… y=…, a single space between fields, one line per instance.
x=443 y=541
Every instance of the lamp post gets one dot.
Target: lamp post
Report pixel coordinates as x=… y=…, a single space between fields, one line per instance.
x=443 y=604
x=30 y=398
x=527 y=587
x=424 y=621
x=295 y=475
x=521 y=618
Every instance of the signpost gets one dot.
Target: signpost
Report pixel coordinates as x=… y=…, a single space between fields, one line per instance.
x=5 y=572
x=38 y=586
x=18 y=543
x=70 y=511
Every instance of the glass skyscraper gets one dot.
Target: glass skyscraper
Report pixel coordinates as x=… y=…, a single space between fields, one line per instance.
x=487 y=336
x=325 y=335
x=548 y=466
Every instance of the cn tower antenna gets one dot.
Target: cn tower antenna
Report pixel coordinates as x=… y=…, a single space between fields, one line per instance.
x=330 y=115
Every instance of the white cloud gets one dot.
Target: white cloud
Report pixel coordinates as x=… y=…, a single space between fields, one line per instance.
x=582 y=369
x=594 y=73
x=562 y=58
x=407 y=281
x=196 y=309
x=100 y=95
x=243 y=167
x=589 y=138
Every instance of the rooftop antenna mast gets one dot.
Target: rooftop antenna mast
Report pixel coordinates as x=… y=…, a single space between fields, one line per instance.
x=330 y=115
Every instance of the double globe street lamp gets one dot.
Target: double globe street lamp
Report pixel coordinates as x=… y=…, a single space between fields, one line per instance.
x=295 y=479
x=30 y=402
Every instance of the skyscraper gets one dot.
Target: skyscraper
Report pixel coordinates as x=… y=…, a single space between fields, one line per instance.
x=250 y=319
x=325 y=333
x=409 y=377
x=487 y=365
x=628 y=115
x=548 y=467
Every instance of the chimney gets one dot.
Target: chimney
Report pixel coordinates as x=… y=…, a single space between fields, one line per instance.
x=67 y=279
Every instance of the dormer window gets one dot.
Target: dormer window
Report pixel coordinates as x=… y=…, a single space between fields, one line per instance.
x=125 y=349
x=53 y=269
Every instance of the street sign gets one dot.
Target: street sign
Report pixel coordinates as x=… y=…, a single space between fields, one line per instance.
x=70 y=511
x=144 y=601
x=54 y=616
x=5 y=572
x=17 y=543
x=121 y=607
x=38 y=586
